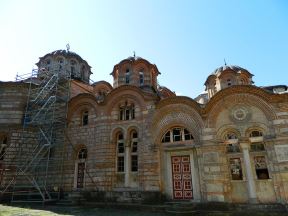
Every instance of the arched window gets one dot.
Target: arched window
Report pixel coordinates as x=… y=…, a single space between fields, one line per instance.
x=3 y=146
x=85 y=118
x=231 y=140
x=141 y=78
x=230 y=136
x=120 y=153
x=82 y=154
x=256 y=133
x=83 y=69
x=134 y=151
x=177 y=134
x=127 y=112
x=127 y=76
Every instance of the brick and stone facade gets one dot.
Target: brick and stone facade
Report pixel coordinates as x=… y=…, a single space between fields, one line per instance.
x=139 y=141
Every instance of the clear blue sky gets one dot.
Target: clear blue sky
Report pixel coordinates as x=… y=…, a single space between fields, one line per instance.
x=187 y=40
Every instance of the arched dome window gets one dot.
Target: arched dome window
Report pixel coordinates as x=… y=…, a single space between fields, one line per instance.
x=177 y=134
x=141 y=78
x=229 y=82
x=60 y=62
x=127 y=76
x=73 y=65
x=83 y=69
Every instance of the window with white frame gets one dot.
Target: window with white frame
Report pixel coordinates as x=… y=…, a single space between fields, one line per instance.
x=177 y=134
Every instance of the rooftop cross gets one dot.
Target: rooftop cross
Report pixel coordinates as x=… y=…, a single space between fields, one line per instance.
x=68 y=47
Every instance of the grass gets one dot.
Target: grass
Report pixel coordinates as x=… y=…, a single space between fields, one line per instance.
x=6 y=210
x=20 y=211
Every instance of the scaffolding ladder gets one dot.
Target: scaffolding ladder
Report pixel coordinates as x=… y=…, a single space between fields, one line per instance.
x=34 y=164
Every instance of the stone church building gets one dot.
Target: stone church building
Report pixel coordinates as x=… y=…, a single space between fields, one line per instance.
x=136 y=140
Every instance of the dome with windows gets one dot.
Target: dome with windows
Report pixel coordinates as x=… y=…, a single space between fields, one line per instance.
x=65 y=61
x=226 y=76
x=135 y=71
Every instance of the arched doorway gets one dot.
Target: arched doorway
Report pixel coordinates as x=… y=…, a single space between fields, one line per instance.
x=180 y=175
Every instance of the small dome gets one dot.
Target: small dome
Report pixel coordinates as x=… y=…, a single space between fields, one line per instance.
x=234 y=68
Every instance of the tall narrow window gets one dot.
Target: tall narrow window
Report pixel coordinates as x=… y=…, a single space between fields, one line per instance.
x=73 y=64
x=261 y=167
x=82 y=154
x=120 y=153
x=134 y=151
x=83 y=69
x=141 y=78
x=60 y=62
x=85 y=118
x=236 y=169
x=127 y=76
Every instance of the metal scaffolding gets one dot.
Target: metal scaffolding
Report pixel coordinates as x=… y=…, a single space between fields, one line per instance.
x=34 y=165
